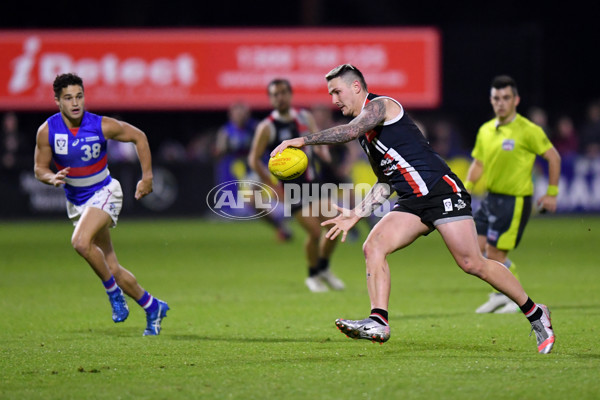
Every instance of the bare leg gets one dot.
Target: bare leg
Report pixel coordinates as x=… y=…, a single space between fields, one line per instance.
x=312 y=226
x=91 y=222
x=461 y=239
x=394 y=231
x=482 y=241
x=124 y=278
x=326 y=246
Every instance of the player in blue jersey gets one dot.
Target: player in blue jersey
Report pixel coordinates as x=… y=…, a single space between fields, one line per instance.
x=75 y=141
x=430 y=197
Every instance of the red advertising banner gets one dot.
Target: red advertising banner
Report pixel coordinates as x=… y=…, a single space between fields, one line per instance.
x=142 y=69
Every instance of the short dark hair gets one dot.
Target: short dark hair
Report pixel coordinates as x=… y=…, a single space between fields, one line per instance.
x=280 y=81
x=502 y=81
x=64 y=80
x=347 y=71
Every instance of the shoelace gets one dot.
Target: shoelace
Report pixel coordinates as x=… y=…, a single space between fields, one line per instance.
x=538 y=330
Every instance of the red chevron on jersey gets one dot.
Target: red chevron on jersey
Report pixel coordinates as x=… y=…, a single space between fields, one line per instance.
x=396 y=161
x=370 y=135
x=452 y=184
x=398 y=150
x=87 y=170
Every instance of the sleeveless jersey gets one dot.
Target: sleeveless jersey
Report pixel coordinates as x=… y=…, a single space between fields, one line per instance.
x=294 y=128
x=84 y=152
x=400 y=152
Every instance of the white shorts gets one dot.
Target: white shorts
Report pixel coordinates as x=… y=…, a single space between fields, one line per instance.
x=109 y=199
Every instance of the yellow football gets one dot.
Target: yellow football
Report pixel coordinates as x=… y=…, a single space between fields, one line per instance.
x=289 y=164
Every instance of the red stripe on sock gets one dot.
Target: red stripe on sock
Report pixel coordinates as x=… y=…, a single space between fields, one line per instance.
x=380 y=316
x=528 y=313
x=147 y=304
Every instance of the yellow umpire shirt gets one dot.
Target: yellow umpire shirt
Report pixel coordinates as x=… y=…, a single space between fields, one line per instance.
x=508 y=153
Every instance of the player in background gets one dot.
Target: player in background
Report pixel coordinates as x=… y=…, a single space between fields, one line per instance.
x=76 y=140
x=286 y=122
x=430 y=197
x=232 y=147
x=343 y=158
x=505 y=151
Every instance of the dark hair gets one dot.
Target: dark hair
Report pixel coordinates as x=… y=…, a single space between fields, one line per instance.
x=502 y=81
x=64 y=80
x=280 y=81
x=347 y=71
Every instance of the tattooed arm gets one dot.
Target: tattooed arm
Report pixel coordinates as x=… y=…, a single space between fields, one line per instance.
x=378 y=194
x=372 y=115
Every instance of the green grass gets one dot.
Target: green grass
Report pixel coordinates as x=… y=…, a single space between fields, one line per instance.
x=243 y=325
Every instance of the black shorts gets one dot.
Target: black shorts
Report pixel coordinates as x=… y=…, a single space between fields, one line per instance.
x=502 y=219
x=447 y=201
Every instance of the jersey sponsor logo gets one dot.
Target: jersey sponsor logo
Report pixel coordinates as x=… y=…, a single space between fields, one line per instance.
x=388 y=165
x=447 y=205
x=75 y=142
x=460 y=204
x=92 y=139
x=60 y=143
x=508 y=145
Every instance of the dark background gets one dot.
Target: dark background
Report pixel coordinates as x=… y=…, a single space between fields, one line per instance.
x=549 y=48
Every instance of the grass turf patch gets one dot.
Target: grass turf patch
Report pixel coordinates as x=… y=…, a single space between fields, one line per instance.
x=243 y=325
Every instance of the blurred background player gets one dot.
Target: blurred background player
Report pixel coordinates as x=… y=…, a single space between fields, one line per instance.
x=232 y=147
x=339 y=169
x=504 y=153
x=76 y=141
x=590 y=131
x=13 y=146
x=285 y=122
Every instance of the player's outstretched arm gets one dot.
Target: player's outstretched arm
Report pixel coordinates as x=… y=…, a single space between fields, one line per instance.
x=378 y=194
x=372 y=115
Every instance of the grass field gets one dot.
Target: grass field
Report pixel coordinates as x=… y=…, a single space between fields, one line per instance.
x=242 y=324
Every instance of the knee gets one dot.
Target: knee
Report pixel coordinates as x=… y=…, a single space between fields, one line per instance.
x=81 y=246
x=472 y=266
x=372 y=249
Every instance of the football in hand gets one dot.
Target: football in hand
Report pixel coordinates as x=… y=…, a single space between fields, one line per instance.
x=289 y=164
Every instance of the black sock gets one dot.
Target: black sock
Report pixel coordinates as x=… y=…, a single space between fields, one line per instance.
x=322 y=264
x=313 y=271
x=531 y=310
x=379 y=315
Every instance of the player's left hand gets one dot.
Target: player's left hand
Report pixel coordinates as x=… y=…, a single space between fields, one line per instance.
x=547 y=203
x=143 y=188
x=341 y=224
x=295 y=142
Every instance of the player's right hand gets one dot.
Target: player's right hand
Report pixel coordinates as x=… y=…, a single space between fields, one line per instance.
x=295 y=142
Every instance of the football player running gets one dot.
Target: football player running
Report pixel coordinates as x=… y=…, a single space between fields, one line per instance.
x=430 y=197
